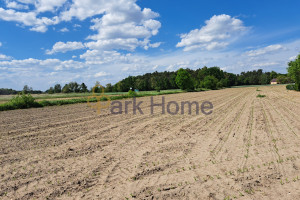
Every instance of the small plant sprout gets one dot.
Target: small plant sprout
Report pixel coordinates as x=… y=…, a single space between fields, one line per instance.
x=261 y=96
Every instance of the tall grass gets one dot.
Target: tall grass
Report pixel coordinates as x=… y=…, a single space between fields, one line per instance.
x=23 y=101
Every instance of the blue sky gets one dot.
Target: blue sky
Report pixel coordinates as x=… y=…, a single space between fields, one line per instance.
x=44 y=42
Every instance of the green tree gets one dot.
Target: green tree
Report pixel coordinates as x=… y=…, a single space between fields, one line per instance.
x=273 y=75
x=141 y=84
x=294 y=72
x=224 y=82
x=210 y=82
x=27 y=89
x=96 y=88
x=282 y=79
x=83 y=88
x=108 y=88
x=265 y=79
x=184 y=80
x=66 y=89
x=57 y=88
x=51 y=90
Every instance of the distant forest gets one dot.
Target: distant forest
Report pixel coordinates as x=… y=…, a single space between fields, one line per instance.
x=209 y=78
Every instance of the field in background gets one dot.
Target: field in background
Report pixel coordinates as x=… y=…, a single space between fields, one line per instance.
x=249 y=148
x=63 y=96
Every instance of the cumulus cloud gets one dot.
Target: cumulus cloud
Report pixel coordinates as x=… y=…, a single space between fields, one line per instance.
x=48 y=5
x=124 y=26
x=265 y=50
x=28 y=19
x=64 y=47
x=4 y=57
x=15 y=5
x=101 y=74
x=219 y=32
x=64 y=30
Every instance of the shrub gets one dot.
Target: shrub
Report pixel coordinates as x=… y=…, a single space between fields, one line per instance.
x=132 y=93
x=21 y=101
x=290 y=87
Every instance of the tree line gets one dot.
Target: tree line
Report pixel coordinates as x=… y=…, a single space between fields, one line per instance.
x=186 y=79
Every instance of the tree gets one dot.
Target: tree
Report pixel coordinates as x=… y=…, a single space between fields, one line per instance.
x=57 y=88
x=203 y=73
x=66 y=89
x=141 y=84
x=273 y=75
x=108 y=88
x=294 y=72
x=83 y=88
x=223 y=83
x=74 y=87
x=282 y=79
x=210 y=82
x=97 y=88
x=265 y=79
x=27 y=89
x=184 y=80
x=51 y=90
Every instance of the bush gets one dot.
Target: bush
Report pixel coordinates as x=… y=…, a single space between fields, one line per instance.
x=132 y=93
x=21 y=101
x=290 y=87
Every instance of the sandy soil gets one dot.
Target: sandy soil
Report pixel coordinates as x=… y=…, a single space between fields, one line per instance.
x=249 y=148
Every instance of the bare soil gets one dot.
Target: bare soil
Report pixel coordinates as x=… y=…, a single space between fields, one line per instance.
x=248 y=148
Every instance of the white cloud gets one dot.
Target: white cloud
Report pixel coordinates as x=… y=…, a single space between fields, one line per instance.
x=28 y=19
x=265 y=64
x=125 y=26
x=265 y=50
x=15 y=5
x=101 y=74
x=64 y=47
x=0 y=44
x=77 y=26
x=48 y=5
x=219 y=32
x=64 y=30
x=4 y=57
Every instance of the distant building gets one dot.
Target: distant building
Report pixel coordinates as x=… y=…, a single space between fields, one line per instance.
x=274 y=81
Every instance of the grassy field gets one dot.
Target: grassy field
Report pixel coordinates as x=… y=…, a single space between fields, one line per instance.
x=63 y=96
x=25 y=101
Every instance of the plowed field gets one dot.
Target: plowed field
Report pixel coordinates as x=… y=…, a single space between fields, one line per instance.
x=248 y=148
